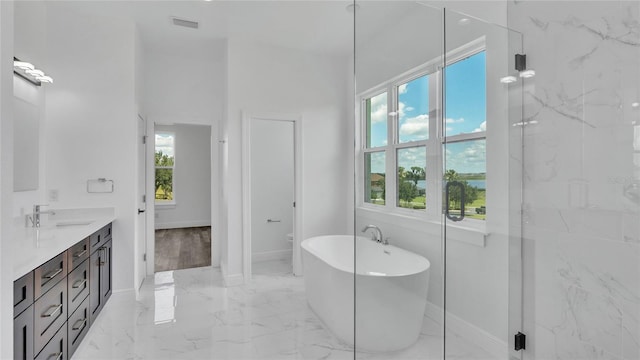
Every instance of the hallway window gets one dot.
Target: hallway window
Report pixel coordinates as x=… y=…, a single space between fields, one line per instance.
x=164 y=166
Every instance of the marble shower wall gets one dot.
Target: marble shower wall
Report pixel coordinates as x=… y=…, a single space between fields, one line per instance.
x=582 y=178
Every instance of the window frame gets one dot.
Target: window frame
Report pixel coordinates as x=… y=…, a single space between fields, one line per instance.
x=172 y=202
x=434 y=144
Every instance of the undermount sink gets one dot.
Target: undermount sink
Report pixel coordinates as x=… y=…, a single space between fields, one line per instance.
x=74 y=223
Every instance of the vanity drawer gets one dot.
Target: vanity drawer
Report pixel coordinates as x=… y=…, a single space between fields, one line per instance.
x=22 y=293
x=23 y=335
x=77 y=326
x=78 y=286
x=77 y=254
x=56 y=349
x=50 y=313
x=106 y=232
x=49 y=274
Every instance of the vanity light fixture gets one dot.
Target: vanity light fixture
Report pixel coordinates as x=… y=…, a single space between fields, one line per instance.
x=29 y=72
x=527 y=74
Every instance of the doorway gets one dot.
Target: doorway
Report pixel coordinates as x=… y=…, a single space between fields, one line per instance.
x=271 y=194
x=182 y=197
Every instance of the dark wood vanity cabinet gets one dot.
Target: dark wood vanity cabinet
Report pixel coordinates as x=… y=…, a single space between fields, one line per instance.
x=56 y=303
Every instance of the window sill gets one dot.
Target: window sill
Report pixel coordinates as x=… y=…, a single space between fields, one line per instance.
x=472 y=233
x=165 y=206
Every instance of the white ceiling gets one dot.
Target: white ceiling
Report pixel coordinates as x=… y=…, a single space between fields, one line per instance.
x=317 y=26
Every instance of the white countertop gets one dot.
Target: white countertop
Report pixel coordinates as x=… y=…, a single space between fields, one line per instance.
x=33 y=247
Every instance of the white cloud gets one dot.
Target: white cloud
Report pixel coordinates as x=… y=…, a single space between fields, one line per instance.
x=164 y=143
x=379 y=108
x=467 y=157
x=417 y=125
x=483 y=127
x=454 y=121
x=409 y=108
x=402 y=89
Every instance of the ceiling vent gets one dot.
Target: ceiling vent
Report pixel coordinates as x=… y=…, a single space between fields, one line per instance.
x=185 y=23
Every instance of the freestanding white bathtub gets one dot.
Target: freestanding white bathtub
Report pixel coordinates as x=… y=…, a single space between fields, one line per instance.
x=390 y=290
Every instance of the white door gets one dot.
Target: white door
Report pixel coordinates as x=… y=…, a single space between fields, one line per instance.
x=272 y=189
x=141 y=194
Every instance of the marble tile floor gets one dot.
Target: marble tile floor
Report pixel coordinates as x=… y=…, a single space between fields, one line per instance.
x=188 y=314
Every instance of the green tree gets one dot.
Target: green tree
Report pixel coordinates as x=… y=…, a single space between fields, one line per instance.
x=407 y=188
x=164 y=177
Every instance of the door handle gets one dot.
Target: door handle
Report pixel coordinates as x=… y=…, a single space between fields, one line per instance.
x=79 y=254
x=273 y=221
x=140 y=211
x=448 y=187
x=79 y=324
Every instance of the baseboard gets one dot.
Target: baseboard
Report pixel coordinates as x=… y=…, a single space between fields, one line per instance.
x=271 y=255
x=475 y=335
x=182 y=224
x=231 y=280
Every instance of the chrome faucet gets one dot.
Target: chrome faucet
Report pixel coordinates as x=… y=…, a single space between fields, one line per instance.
x=34 y=219
x=378 y=232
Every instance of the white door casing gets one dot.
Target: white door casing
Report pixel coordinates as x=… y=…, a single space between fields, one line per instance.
x=141 y=202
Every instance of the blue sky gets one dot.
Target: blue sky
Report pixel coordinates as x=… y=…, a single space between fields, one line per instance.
x=465 y=113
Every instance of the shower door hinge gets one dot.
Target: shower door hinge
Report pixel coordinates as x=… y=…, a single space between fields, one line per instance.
x=520 y=341
x=294 y=204
x=144 y=139
x=144 y=257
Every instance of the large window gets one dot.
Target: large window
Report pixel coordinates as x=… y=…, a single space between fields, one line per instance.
x=165 y=166
x=404 y=146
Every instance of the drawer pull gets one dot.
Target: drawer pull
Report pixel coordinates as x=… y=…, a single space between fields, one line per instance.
x=52 y=274
x=79 y=283
x=101 y=256
x=52 y=310
x=80 y=254
x=58 y=356
x=79 y=324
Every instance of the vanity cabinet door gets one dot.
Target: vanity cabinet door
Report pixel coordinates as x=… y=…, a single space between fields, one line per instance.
x=23 y=335
x=100 y=274
x=106 y=271
x=95 y=300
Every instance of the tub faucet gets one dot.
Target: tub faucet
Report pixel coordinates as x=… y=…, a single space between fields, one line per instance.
x=378 y=232
x=34 y=218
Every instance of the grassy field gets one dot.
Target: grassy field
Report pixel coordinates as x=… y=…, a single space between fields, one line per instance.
x=419 y=203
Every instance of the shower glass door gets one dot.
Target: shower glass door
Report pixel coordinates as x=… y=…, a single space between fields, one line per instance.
x=438 y=151
x=398 y=58
x=481 y=141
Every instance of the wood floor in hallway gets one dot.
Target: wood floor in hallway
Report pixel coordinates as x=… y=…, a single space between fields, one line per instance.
x=182 y=248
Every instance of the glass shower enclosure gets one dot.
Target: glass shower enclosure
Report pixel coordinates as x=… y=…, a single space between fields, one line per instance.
x=438 y=184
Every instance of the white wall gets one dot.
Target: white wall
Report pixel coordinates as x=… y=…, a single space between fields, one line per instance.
x=264 y=78
x=6 y=179
x=582 y=229
x=91 y=120
x=272 y=187
x=172 y=95
x=192 y=179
